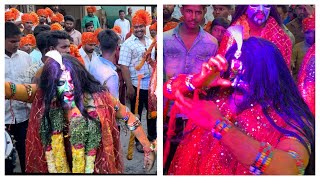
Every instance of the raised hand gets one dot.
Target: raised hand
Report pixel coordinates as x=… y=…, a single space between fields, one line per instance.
x=210 y=73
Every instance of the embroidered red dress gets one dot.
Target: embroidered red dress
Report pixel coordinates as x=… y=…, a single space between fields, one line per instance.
x=201 y=154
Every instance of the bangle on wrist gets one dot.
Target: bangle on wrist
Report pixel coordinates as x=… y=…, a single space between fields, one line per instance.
x=13 y=89
x=133 y=126
x=262 y=160
x=220 y=128
x=29 y=90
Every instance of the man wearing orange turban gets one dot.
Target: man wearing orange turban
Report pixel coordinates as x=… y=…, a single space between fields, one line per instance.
x=27 y=43
x=90 y=17
x=153 y=30
x=43 y=15
x=131 y=53
x=89 y=42
x=10 y=16
x=29 y=20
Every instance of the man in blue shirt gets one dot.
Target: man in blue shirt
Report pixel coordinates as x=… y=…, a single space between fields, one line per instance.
x=185 y=49
x=104 y=68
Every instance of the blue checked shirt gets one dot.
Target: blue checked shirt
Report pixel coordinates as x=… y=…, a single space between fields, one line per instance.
x=178 y=59
x=131 y=53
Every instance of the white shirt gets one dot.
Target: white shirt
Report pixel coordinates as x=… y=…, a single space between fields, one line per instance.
x=125 y=27
x=86 y=58
x=15 y=69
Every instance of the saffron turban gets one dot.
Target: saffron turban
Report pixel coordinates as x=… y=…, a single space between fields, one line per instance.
x=89 y=38
x=153 y=27
x=91 y=9
x=56 y=27
x=117 y=29
x=141 y=17
x=28 y=39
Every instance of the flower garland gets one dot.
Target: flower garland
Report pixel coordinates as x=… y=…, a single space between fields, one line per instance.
x=85 y=137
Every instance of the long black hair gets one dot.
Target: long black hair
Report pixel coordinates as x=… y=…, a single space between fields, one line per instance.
x=271 y=84
x=83 y=82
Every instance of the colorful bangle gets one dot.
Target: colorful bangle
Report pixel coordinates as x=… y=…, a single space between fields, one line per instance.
x=13 y=89
x=169 y=84
x=189 y=85
x=133 y=126
x=29 y=90
x=220 y=127
x=299 y=162
x=262 y=160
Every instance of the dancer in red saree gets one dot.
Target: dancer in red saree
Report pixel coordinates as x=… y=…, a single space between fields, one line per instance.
x=253 y=120
x=72 y=127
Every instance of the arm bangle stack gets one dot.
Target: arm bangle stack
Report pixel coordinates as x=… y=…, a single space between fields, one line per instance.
x=133 y=126
x=262 y=160
x=220 y=127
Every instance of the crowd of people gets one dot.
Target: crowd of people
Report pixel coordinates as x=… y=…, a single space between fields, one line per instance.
x=239 y=91
x=69 y=93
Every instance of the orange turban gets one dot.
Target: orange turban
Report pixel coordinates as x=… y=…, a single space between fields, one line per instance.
x=49 y=11
x=56 y=27
x=117 y=29
x=28 y=39
x=141 y=17
x=89 y=38
x=33 y=17
x=57 y=18
x=9 y=16
x=170 y=25
x=153 y=27
x=308 y=23
x=43 y=12
x=91 y=9
x=74 y=51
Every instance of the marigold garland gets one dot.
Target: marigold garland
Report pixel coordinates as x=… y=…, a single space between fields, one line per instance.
x=85 y=137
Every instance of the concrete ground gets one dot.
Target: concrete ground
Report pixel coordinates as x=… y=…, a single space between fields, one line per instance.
x=135 y=166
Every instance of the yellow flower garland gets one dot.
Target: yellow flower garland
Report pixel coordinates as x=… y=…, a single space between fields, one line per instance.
x=59 y=152
x=78 y=160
